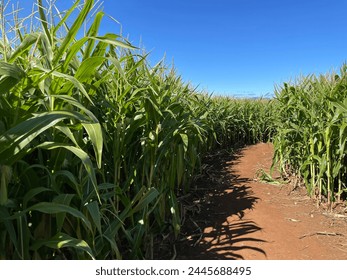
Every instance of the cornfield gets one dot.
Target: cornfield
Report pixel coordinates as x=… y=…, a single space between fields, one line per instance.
x=311 y=134
x=96 y=144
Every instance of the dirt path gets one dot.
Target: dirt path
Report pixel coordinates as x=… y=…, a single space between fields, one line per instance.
x=239 y=217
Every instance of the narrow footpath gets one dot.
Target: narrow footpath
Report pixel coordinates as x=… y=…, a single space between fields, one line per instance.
x=240 y=217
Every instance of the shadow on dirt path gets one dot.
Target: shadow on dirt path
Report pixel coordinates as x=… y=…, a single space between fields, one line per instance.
x=218 y=228
x=232 y=215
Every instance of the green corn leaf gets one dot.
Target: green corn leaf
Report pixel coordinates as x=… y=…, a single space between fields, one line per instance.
x=339 y=105
x=32 y=193
x=54 y=208
x=72 y=101
x=82 y=155
x=114 y=246
x=43 y=19
x=14 y=140
x=73 y=81
x=110 y=39
x=29 y=41
x=62 y=20
x=62 y=240
x=47 y=51
x=71 y=35
x=72 y=52
x=10 y=76
x=184 y=138
x=94 y=211
x=93 y=31
x=67 y=131
x=7 y=83
x=11 y=70
x=174 y=212
x=95 y=134
x=100 y=49
x=147 y=198
x=64 y=199
x=88 y=68
x=118 y=65
x=70 y=178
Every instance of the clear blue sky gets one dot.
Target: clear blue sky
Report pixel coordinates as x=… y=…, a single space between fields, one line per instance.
x=235 y=46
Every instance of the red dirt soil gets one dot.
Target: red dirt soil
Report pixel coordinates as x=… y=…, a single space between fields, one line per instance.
x=239 y=217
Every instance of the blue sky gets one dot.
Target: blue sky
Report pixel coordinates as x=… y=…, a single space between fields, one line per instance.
x=235 y=47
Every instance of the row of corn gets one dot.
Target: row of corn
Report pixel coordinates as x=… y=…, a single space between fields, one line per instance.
x=95 y=144
x=312 y=131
